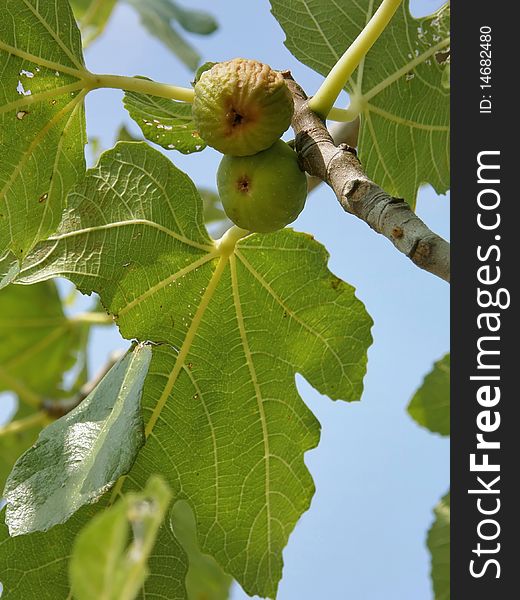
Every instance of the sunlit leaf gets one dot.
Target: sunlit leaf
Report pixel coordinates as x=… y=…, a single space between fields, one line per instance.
x=42 y=125
x=225 y=424
x=399 y=87
x=80 y=456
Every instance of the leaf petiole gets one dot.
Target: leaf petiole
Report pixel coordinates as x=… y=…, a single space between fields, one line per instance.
x=345 y=115
x=143 y=86
x=323 y=101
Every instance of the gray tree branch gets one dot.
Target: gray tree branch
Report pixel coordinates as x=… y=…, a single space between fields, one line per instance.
x=339 y=167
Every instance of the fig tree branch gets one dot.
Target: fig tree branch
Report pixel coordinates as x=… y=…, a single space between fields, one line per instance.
x=339 y=167
x=342 y=133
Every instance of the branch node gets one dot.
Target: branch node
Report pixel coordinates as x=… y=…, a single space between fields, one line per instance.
x=347 y=148
x=422 y=252
x=397 y=232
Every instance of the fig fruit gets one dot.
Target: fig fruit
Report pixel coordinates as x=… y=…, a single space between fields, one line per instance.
x=264 y=192
x=241 y=106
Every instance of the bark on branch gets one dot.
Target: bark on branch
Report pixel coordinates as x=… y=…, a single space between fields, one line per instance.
x=339 y=167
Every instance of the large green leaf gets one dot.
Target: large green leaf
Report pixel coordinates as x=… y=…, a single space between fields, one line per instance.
x=225 y=424
x=42 y=125
x=430 y=405
x=117 y=569
x=165 y=122
x=80 y=456
x=439 y=546
x=399 y=87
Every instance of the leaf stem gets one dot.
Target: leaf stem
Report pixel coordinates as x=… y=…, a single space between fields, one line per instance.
x=142 y=86
x=345 y=115
x=324 y=99
x=39 y=418
x=226 y=244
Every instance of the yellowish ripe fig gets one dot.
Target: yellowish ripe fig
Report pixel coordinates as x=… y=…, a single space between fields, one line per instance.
x=241 y=106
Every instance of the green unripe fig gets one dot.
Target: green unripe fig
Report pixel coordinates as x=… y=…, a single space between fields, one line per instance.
x=241 y=106
x=263 y=192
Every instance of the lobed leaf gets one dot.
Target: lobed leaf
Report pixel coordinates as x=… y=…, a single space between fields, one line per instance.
x=430 y=405
x=79 y=457
x=399 y=87
x=42 y=124
x=224 y=422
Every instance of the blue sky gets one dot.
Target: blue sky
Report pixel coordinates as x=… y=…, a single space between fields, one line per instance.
x=378 y=475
